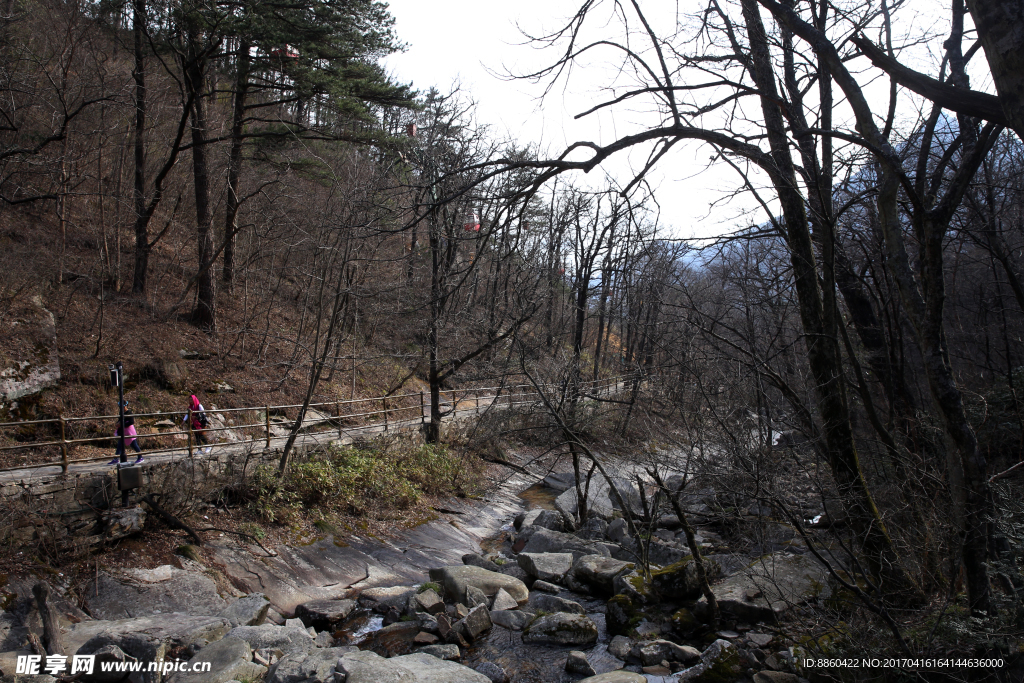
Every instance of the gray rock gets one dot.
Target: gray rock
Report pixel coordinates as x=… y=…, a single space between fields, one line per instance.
x=475 y=596
x=456 y=579
x=230 y=658
x=382 y=599
x=562 y=628
x=615 y=677
x=288 y=639
x=145 y=592
x=515 y=571
x=513 y=620
x=494 y=672
x=525 y=519
x=721 y=655
x=474 y=624
x=545 y=566
x=598 y=572
x=655 y=651
x=429 y=601
x=620 y=647
x=770 y=586
x=294 y=623
x=759 y=639
x=40 y=369
x=552 y=603
x=547 y=541
x=324 y=639
x=665 y=554
x=560 y=481
x=576 y=663
x=428 y=622
x=369 y=667
x=598 y=502
x=617 y=530
x=503 y=601
x=549 y=519
x=593 y=530
x=316 y=667
x=545 y=587
x=475 y=560
x=146 y=638
x=775 y=677
x=248 y=611
x=324 y=615
x=448 y=651
x=110 y=656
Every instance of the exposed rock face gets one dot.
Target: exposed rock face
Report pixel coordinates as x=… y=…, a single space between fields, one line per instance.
x=456 y=579
x=248 y=611
x=545 y=566
x=382 y=599
x=561 y=628
x=368 y=667
x=324 y=615
x=29 y=363
x=143 y=593
x=146 y=638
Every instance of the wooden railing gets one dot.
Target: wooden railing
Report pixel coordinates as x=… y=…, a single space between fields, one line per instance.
x=382 y=413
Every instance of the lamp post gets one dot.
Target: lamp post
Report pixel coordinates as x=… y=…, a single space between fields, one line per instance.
x=117 y=380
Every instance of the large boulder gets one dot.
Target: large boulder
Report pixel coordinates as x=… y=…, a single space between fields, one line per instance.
x=230 y=659
x=621 y=615
x=513 y=620
x=598 y=572
x=562 y=628
x=545 y=566
x=547 y=541
x=248 y=611
x=679 y=581
x=368 y=667
x=770 y=586
x=598 y=502
x=29 y=363
x=324 y=615
x=456 y=579
x=428 y=601
x=551 y=603
x=317 y=666
x=146 y=638
x=655 y=651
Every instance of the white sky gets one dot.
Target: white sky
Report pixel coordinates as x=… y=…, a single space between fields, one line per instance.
x=457 y=42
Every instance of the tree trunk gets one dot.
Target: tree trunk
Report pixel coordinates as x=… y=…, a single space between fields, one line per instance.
x=141 y=218
x=235 y=166
x=1000 y=25
x=204 y=314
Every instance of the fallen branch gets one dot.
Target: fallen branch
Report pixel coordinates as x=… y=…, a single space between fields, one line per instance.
x=255 y=540
x=51 y=626
x=171 y=519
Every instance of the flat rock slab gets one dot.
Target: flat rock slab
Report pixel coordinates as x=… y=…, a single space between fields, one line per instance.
x=145 y=638
x=250 y=610
x=368 y=667
x=143 y=593
x=599 y=572
x=616 y=677
x=545 y=566
x=324 y=615
x=546 y=541
x=318 y=665
x=289 y=639
x=456 y=579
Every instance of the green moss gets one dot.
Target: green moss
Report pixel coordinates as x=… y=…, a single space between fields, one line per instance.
x=190 y=552
x=725 y=669
x=429 y=586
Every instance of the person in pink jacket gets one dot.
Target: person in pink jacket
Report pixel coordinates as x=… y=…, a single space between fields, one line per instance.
x=129 y=438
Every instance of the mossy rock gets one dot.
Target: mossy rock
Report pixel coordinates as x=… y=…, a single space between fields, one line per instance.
x=678 y=581
x=622 y=615
x=685 y=624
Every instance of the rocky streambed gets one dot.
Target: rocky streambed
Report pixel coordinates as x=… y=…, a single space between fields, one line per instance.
x=488 y=592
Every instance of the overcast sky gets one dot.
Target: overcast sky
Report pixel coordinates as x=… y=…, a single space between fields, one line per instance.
x=457 y=42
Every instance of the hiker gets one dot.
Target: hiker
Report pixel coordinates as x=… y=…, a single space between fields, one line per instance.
x=129 y=437
x=199 y=423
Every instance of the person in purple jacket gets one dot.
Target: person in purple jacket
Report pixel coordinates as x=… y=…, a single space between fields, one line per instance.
x=129 y=438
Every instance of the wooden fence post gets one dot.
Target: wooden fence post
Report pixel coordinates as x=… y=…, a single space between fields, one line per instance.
x=384 y=401
x=188 y=422
x=337 y=414
x=63 y=446
x=423 y=407
x=266 y=416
